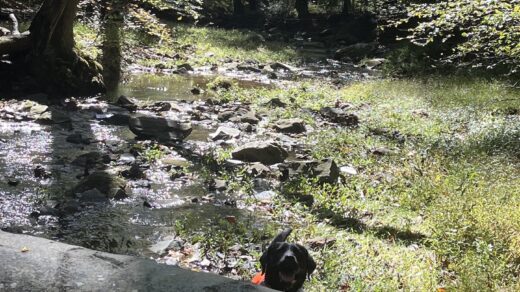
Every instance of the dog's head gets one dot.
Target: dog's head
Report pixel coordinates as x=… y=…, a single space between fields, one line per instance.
x=286 y=265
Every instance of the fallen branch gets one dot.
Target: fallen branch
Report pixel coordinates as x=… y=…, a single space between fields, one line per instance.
x=15 y=43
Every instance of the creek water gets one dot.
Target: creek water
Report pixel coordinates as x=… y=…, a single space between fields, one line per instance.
x=129 y=226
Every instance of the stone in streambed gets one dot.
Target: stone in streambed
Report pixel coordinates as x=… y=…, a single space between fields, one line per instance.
x=127 y=103
x=325 y=171
x=162 y=129
x=339 y=116
x=109 y=185
x=265 y=152
x=290 y=126
x=225 y=133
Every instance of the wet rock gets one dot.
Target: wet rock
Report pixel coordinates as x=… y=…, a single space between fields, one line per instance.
x=162 y=129
x=126 y=158
x=89 y=159
x=226 y=115
x=127 y=103
x=290 y=126
x=258 y=170
x=248 y=128
x=13 y=182
x=160 y=106
x=106 y=183
x=135 y=172
x=92 y=196
x=185 y=66
x=373 y=63
x=70 y=104
x=272 y=75
x=222 y=85
x=248 y=117
x=281 y=66
x=265 y=152
x=276 y=102
x=225 y=133
x=339 y=116
x=196 y=91
x=325 y=171
x=248 y=68
x=53 y=117
x=356 y=51
x=40 y=172
x=77 y=138
x=116 y=119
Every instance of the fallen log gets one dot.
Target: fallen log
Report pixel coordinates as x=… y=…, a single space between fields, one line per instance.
x=13 y=44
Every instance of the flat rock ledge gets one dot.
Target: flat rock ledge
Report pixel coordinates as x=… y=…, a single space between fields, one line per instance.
x=36 y=264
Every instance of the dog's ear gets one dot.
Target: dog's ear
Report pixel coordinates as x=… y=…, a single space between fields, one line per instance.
x=265 y=259
x=309 y=261
x=311 y=266
x=282 y=236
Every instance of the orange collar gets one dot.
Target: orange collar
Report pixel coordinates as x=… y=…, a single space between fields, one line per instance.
x=258 y=279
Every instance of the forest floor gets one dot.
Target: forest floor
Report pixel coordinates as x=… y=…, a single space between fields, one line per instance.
x=429 y=187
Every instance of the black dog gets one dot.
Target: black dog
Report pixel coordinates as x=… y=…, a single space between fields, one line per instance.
x=286 y=265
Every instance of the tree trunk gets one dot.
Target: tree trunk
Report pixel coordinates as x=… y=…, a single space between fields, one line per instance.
x=53 y=60
x=347 y=7
x=238 y=7
x=302 y=7
x=112 y=12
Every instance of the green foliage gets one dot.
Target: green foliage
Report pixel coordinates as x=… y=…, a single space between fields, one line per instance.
x=482 y=33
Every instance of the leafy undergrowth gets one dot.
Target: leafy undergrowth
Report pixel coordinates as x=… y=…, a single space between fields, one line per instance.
x=175 y=44
x=439 y=209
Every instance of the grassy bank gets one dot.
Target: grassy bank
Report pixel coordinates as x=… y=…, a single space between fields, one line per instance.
x=440 y=209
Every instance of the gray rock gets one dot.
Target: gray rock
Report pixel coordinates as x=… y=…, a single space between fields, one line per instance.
x=162 y=129
x=339 y=116
x=185 y=66
x=348 y=170
x=89 y=159
x=77 y=138
x=92 y=196
x=283 y=67
x=53 y=266
x=265 y=152
x=325 y=171
x=53 y=117
x=290 y=126
x=225 y=133
x=127 y=102
x=275 y=102
x=135 y=172
x=104 y=182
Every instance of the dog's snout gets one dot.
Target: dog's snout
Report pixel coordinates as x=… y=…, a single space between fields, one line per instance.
x=289 y=259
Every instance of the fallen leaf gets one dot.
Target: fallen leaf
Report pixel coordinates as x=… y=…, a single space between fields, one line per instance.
x=24 y=249
x=231 y=219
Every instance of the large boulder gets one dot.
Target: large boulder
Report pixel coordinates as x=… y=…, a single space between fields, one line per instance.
x=265 y=152
x=162 y=129
x=325 y=171
x=36 y=264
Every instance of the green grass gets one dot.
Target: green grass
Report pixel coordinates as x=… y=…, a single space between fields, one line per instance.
x=441 y=211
